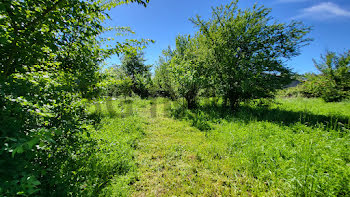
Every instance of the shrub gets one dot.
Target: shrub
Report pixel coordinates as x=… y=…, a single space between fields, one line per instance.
x=50 y=56
x=332 y=84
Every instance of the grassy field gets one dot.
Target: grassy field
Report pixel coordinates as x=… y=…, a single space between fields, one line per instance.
x=291 y=147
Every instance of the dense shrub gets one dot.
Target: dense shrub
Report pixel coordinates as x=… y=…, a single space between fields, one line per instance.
x=115 y=83
x=43 y=126
x=50 y=56
x=321 y=86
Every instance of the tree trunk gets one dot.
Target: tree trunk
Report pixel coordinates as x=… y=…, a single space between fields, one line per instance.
x=224 y=103
x=191 y=102
x=234 y=101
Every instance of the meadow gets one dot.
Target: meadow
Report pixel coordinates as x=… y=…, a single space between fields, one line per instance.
x=281 y=147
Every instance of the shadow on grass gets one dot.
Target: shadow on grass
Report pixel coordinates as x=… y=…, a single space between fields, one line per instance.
x=247 y=113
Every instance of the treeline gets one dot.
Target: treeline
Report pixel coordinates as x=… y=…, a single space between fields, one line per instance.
x=132 y=77
x=236 y=55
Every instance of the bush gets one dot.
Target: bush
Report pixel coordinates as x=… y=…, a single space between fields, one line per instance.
x=50 y=57
x=44 y=129
x=333 y=84
x=317 y=86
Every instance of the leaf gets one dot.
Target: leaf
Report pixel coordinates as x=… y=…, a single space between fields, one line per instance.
x=33 y=142
x=18 y=149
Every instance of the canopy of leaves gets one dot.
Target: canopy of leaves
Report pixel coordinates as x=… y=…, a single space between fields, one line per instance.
x=243 y=51
x=333 y=82
x=133 y=64
x=186 y=69
x=163 y=81
x=51 y=51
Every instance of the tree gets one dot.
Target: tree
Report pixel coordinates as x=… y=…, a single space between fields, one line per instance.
x=333 y=82
x=116 y=83
x=50 y=56
x=244 y=51
x=133 y=64
x=186 y=70
x=34 y=31
x=163 y=80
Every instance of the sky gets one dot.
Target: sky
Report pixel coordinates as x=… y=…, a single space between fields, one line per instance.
x=163 y=20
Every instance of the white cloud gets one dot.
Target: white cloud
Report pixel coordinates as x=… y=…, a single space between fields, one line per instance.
x=324 y=10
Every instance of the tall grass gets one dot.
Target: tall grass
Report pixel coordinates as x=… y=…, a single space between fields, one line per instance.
x=291 y=147
x=117 y=132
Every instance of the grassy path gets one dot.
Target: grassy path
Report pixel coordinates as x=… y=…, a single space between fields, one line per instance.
x=291 y=148
x=278 y=151
x=170 y=163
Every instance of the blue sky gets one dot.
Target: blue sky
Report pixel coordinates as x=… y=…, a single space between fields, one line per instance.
x=163 y=20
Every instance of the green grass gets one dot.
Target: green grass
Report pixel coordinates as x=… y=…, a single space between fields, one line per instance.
x=292 y=147
x=286 y=160
x=117 y=132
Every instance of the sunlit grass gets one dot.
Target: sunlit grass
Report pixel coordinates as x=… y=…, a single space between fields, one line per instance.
x=292 y=147
x=118 y=130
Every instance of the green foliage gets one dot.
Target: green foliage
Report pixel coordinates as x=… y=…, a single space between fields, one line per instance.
x=133 y=64
x=332 y=84
x=334 y=81
x=163 y=79
x=50 y=57
x=143 y=84
x=291 y=92
x=43 y=134
x=115 y=83
x=243 y=51
x=236 y=54
x=185 y=71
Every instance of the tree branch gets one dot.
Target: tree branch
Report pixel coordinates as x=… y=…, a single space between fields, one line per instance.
x=37 y=21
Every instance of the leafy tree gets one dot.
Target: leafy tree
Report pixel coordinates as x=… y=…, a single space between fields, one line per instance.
x=333 y=84
x=244 y=51
x=133 y=64
x=50 y=55
x=185 y=68
x=163 y=80
x=116 y=83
